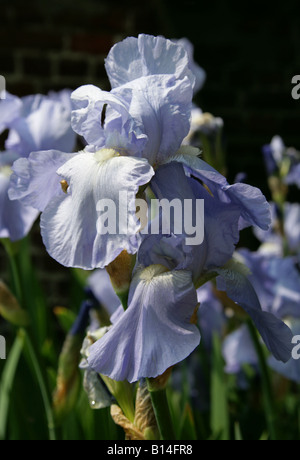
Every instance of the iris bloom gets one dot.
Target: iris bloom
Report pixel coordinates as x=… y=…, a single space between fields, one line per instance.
x=286 y=161
x=16 y=219
x=277 y=283
x=158 y=329
x=131 y=131
x=286 y=239
x=33 y=123
x=134 y=135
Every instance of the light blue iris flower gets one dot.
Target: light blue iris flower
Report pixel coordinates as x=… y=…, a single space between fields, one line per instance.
x=283 y=160
x=130 y=130
x=276 y=242
x=277 y=283
x=33 y=123
x=16 y=219
x=156 y=331
x=134 y=135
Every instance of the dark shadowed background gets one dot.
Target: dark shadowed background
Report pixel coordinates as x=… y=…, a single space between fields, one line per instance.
x=250 y=55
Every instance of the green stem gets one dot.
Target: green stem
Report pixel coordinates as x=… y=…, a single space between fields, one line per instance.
x=266 y=381
x=162 y=413
x=12 y=252
x=43 y=389
x=16 y=281
x=7 y=380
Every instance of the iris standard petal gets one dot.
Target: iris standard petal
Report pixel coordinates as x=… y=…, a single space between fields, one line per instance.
x=276 y=335
x=170 y=251
x=34 y=181
x=147 y=118
x=162 y=106
x=155 y=332
x=72 y=225
x=146 y=55
x=199 y=73
x=101 y=116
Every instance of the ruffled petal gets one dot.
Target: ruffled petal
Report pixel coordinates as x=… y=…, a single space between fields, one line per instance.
x=170 y=251
x=148 y=117
x=34 y=181
x=146 y=55
x=198 y=72
x=154 y=333
x=103 y=119
x=73 y=226
x=254 y=208
x=162 y=106
x=220 y=219
x=43 y=123
x=276 y=335
x=16 y=219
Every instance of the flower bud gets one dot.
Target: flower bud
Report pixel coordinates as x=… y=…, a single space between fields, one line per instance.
x=10 y=308
x=144 y=426
x=68 y=376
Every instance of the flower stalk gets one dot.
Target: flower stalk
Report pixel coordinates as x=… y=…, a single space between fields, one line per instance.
x=158 y=394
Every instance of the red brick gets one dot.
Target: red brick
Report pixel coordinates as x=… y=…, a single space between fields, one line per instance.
x=113 y=21
x=92 y=43
x=36 y=66
x=21 y=88
x=28 y=39
x=6 y=63
x=71 y=67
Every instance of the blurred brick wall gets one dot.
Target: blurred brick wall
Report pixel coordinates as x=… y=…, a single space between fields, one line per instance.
x=53 y=44
x=250 y=55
